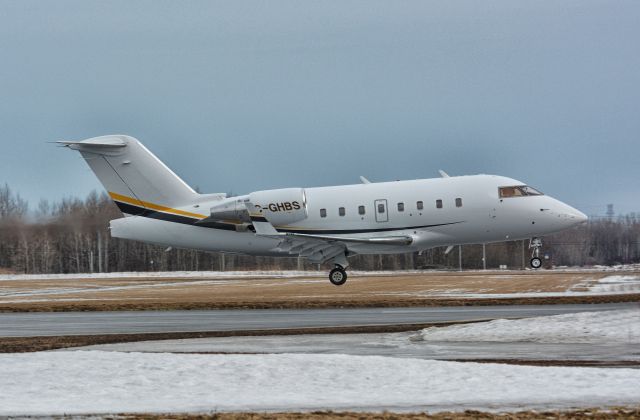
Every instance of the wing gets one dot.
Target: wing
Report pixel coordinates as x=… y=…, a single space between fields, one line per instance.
x=318 y=249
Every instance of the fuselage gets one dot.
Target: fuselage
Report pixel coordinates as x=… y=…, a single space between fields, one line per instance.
x=433 y=212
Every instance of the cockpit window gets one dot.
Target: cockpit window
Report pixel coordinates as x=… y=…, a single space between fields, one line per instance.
x=531 y=191
x=518 y=191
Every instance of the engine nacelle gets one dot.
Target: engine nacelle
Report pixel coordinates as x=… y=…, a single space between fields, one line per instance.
x=281 y=207
x=230 y=210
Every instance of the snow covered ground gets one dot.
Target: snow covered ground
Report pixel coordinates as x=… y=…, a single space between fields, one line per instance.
x=615 y=284
x=585 y=327
x=107 y=382
x=609 y=285
x=605 y=336
x=95 y=381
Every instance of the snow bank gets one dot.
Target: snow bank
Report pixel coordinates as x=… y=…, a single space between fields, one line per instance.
x=105 y=382
x=586 y=327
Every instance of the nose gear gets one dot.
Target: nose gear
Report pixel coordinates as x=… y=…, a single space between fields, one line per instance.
x=535 y=244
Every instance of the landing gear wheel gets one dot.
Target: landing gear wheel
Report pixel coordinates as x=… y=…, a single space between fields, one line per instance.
x=338 y=276
x=535 y=262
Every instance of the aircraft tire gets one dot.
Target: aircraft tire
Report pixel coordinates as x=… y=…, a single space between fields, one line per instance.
x=338 y=276
x=535 y=263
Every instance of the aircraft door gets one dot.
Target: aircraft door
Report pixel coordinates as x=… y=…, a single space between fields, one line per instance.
x=380 y=207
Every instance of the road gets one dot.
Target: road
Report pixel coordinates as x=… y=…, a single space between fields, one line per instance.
x=137 y=322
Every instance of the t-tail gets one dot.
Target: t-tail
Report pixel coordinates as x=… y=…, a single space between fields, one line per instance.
x=133 y=176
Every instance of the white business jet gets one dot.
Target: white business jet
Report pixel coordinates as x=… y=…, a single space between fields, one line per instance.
x=326 y=224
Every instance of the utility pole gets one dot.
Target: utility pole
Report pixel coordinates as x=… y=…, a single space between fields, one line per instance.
x=99 y=252
x=484 y=256
x=523 y=254
x=459 y=257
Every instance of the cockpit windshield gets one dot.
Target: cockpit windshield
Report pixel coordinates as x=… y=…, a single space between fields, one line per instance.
x=518 y=191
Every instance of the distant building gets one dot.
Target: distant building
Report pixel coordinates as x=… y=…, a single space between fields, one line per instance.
x=610 y=212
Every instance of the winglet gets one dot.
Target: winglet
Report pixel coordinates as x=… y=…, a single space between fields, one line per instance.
x=443 y=173
x=364 y=180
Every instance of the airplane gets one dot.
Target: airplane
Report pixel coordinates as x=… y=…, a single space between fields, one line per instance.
x=320 y=224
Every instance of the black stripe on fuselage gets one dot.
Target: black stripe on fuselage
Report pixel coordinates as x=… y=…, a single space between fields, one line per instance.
x=175 y=218
x=152 y=214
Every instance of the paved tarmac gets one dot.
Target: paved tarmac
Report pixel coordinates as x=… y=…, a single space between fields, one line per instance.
x=135 y=322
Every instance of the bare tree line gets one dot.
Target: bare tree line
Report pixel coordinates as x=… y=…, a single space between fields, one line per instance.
x=71 y=236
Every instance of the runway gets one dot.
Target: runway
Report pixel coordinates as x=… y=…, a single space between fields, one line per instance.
x=139 y=322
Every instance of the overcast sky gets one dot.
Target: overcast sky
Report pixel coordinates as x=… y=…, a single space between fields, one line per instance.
x=243 y=96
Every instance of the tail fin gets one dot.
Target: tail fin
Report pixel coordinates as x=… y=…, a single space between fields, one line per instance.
x=131 y=173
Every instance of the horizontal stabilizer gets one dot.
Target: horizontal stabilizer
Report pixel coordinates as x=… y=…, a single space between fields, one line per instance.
x=97 y=142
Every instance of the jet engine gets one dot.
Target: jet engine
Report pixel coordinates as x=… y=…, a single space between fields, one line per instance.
x=230 y=210
x=280 y=207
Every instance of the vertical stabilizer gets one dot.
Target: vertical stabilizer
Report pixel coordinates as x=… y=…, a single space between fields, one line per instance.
x=131 y=173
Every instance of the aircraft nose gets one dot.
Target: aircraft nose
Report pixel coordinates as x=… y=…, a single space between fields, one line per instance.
x=570 y=216
x=581 y=217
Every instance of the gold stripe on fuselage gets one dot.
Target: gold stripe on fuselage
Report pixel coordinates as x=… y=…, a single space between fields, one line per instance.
x=152 y=206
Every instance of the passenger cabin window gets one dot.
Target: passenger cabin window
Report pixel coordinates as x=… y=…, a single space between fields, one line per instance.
x=517 y=191
x=360 y=209
x=438 y=204
x=323 y=212
x=419 y=205
x=380 y=208
x=458 y=202
x=400 y=206
x=341 y=211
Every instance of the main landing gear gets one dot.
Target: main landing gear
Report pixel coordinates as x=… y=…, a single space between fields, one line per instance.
x=535 y=244
x=338 y=276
